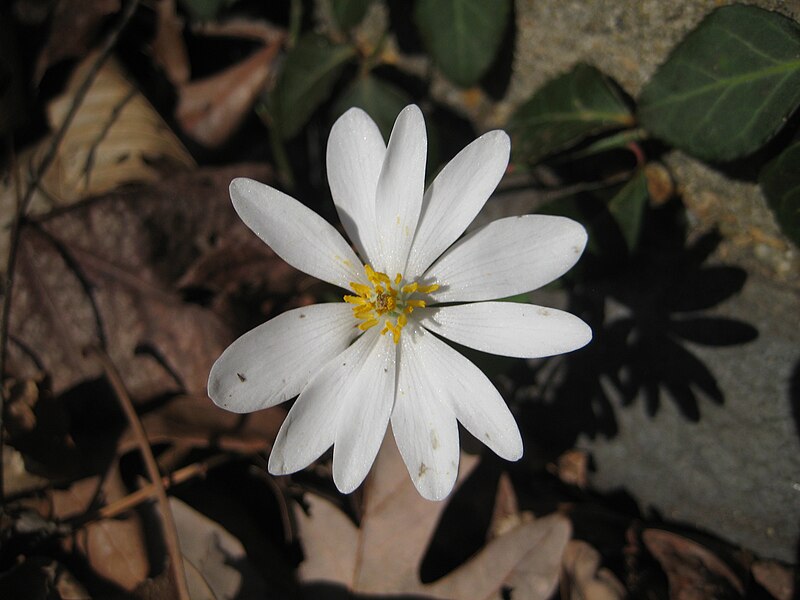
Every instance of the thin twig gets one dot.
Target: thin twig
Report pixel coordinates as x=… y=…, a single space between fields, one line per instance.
x=23 y=204
x=170 y=532
x=123 y=505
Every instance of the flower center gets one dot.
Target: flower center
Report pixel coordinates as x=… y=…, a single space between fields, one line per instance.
x=386 y=301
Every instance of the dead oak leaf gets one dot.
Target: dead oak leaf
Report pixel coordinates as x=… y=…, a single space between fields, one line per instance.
x=383 y=555
x=74 y=25
x=115 y=549
x=583 y=578
x=104 y=273
x=693 y=571
x=115 y=137
x=209 y=110
x=196 y=422
x=168 y=47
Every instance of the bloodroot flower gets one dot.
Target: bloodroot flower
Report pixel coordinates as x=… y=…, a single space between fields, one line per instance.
x=378 y=357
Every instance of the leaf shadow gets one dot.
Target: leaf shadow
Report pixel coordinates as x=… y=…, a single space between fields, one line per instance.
x=794 y=396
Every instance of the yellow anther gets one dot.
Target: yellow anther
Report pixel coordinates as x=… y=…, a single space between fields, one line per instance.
x=402 y=320
x=362 y=312
x=416 y=303
x=427 y=289
x=410 y=288
x=394 y=329
x=376 y=276
x=398 y=278
x=355 y=300
x=361 y=289
x=409 y=309
x=367 y=324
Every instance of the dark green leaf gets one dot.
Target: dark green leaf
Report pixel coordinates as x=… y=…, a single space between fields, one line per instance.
x=728 y=87
x=627 y=208
x=311 y=70
x=566 y=110
x=382 y=101
x=780 y=181
x=349 y=13
x=204 y=10
x=462 y=36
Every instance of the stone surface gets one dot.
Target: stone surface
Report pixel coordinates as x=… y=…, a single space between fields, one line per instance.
x=735 y=472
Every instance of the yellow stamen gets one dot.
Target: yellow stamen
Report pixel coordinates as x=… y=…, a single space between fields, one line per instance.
x=362 y=312
x=385 y=301
x=361 y=289
x=367 y=324
x=395 y=331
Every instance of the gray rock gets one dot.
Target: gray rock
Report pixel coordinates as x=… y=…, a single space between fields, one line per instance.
x=735 y=472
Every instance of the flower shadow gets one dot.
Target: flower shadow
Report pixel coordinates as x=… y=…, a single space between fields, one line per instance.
x=649 y=315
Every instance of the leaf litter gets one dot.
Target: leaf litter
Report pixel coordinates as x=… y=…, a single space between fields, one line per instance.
x=130 y=247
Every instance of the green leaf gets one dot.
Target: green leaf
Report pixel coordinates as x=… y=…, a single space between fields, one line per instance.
x=309 y=73
x=462 y=36
x=566 y=110
x=627 y=208
x=205 y=10
x=780 y=182
x=382 y=101
x=728 y=87
x=349 y=13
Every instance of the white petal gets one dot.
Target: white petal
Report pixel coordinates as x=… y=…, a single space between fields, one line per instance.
x=400 y=189
x=508 y=328
x=273 y=362
x=354 y=158
x=423 y=421
x=474 y=400
x=296 y=233
x=367 y=397
x=507 y=257
x=311 y=425
x=456 y=195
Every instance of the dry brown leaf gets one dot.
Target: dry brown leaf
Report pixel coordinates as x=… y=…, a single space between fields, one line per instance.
x=104 y=273
x=38 y=426
x=241 y=261
x=116 y=137
x=505 y=514
x=168 y=47
x=775 y=578
x=40 y=578
x=383 y=555
x=693 y=572
x=572 y=468
x=240 y=28
x=114 y=548
x=73 y=27
x=215 y=561
x=17 y=479
x=195 y=421
x=210 y=110
x=583 y=578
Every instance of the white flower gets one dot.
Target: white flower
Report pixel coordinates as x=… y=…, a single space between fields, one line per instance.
x=372 y=359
